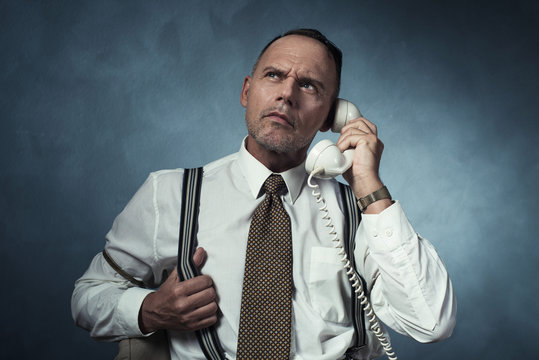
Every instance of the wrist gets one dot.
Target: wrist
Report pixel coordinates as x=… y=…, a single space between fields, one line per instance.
x=365 y=185
x=145 y=323
x=375 y=202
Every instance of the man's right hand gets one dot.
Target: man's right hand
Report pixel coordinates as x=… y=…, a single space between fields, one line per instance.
x=181 y=305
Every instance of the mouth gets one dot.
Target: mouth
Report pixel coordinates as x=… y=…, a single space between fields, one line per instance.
x=280 y=118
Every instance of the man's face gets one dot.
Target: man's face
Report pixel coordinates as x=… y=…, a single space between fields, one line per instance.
x=289 y=95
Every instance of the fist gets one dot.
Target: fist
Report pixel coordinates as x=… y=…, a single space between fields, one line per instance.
x=181 y=305
x=362 y=135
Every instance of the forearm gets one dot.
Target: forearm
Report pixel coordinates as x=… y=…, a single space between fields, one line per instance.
x=105 y=304
x=411 y=290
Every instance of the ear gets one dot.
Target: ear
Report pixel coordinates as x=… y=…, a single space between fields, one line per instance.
x=245 y=91
x=325 y=127
x=329 y=120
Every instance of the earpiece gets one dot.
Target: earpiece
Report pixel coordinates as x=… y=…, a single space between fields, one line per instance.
x=344 y=112
x=325 y=158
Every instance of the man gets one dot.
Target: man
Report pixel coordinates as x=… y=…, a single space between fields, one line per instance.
x=288 y=98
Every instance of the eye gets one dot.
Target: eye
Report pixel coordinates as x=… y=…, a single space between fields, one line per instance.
x=272 y=75
x=307 y=85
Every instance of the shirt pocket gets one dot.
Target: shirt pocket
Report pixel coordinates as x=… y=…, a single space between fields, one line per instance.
x=328 y=285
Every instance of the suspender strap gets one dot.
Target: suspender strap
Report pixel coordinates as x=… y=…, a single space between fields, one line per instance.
x=192 y=181
x=121 y=271
x=353 y=218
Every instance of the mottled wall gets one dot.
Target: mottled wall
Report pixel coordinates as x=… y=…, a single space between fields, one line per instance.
x=96 y=94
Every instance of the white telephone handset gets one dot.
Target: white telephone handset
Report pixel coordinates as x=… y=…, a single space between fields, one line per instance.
x=325 y=157
x=326 y=161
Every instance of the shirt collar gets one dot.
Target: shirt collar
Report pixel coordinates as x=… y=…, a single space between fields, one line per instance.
x=256 y=174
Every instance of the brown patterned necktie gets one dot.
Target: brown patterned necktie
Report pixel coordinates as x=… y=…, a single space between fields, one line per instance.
x=266 y=302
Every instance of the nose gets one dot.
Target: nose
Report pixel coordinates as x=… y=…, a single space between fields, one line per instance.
x=287 y=92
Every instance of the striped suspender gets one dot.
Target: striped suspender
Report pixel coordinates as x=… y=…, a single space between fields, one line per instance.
x=192 y=180
x=353 y=218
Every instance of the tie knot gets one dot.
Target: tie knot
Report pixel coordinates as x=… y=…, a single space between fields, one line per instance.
x=273 y=184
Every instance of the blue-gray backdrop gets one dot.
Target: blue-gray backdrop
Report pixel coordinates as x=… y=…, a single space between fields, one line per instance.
x=96 y=94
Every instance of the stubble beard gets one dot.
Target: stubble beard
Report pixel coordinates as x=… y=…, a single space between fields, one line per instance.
x=269 y=137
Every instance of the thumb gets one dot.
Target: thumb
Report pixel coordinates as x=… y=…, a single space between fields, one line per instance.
x=199 y=257
x=174 y=275
x=171 y=279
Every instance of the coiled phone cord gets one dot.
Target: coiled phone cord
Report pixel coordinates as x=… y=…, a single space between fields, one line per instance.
x=350 y=271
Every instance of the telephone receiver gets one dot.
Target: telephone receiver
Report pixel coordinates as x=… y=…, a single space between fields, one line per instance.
x=325 y=159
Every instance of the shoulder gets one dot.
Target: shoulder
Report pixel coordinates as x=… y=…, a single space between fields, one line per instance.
x=220 y=165
x=167 y=178
x=166 y=174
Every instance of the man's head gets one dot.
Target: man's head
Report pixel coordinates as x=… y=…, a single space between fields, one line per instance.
x=334 y=51
x=289 y=95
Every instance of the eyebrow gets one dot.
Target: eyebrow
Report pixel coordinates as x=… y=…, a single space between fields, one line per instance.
x=316 y=82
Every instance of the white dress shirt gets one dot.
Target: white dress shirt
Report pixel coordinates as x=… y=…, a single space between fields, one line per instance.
x=410 y=289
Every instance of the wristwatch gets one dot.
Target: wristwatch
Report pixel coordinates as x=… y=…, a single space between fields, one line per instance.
x=379 y=194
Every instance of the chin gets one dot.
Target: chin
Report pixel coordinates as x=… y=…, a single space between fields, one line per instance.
x=273 y=142
x=282 y=144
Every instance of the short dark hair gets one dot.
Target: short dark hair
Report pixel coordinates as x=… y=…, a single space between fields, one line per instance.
x=334 y=51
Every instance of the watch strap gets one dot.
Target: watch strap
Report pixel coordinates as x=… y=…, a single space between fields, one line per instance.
x=379 y=194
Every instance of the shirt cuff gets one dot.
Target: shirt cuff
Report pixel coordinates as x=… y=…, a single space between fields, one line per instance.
x=387 y=230
x=128 y=310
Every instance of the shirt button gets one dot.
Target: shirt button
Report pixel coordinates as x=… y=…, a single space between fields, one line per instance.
x=389 y=232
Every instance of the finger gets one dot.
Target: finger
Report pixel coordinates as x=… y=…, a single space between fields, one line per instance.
x=199 y=257
x=345 y=140
x=205 y=311
x=173 y=277
x=356 y=127
x=352 y=141
x=371 y=126
x=201 y=298
x=361 y=124
x=355 y=131
x=204 y=323
x=197 y=319
x=196 y=284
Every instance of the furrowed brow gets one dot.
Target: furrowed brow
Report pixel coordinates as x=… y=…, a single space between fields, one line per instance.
x=317 y=83
x=272 y=69
x=303 y=79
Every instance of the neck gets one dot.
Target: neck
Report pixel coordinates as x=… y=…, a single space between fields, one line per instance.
x=275 y=161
